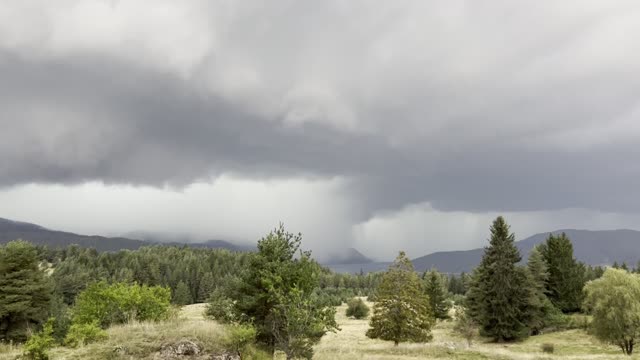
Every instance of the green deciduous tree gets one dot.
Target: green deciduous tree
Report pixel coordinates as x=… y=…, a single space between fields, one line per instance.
x=614 y=302
x=25 y=292
x=566 y=275
x=500 y=298
x=402 y=311
x=435 y=288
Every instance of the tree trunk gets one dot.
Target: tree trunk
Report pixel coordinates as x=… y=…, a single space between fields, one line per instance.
x=395 y=343
x=627 y=347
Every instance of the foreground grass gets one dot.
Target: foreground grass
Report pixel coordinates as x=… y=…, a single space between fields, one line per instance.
x=351 y=343
x=144 y=340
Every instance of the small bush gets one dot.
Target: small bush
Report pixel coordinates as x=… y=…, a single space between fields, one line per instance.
x=357 y=308
x=238 y=338
x=38 y=345
x=83 y=334
x=465 y=326
x=457 y=299
x=548 y=348
x=220 y=307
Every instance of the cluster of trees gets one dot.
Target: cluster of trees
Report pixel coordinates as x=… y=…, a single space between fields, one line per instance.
x=191 y=274
x=30 y=301
x=509 y=301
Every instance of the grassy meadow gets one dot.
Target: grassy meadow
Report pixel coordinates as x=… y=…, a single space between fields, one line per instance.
x=351 y=343
x=144 y=340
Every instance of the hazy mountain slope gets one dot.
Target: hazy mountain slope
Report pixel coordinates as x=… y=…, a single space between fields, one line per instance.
x=592 y=247
x=349 y=256
x=12 y=230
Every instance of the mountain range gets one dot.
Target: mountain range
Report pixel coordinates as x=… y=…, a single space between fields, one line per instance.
x=36 y=234
x=601 y=247
x=593 y=247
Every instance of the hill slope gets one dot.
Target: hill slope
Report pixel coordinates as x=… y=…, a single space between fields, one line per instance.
x=350 y=256
x=11 y=230
x=592 y=247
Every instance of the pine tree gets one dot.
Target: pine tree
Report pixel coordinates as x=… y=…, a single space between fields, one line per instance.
x=500 y=298
x=401 y=312
x=566 y=275
x=277 y=279
x=182 y=296
x=207 y=285
x=538 y=277
x=434 y=287
x=25 y=291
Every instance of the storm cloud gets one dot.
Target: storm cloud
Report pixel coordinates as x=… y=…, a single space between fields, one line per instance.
x=453 y=106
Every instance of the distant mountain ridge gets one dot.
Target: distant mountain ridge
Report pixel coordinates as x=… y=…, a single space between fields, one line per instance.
x=350 y=256
x=593 y=247
x=11 y=230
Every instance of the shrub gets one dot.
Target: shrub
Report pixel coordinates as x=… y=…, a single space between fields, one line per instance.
x=357 y=308
x=220 y=307
x=548 y=348
x=457 y=299
x=465 y=326
x=119 y=303
x=238 y=338
x=83 y=334
x=38 y=345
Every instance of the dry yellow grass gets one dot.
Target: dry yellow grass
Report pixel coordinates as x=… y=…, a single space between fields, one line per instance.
x=143 y=340
x=351 y=343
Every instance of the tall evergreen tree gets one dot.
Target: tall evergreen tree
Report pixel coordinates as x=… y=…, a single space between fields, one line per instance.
x=207 y=285
x=25 y=292
x=566 y=275
x=538 y=276
x=500 y=297
x=435 y=288
x=402 y=311
x=182 y=295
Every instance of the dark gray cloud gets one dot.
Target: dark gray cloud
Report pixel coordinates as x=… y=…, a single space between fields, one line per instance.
x=499 y=107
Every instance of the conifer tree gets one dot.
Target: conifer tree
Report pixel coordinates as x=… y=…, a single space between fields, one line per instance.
x=402 y=311
x=207 y=285
x=566 y=275
x=538 y=276
x=500 y=298
x=182 y=296
x=280 y=278
x=434 y=287
x=25 y=292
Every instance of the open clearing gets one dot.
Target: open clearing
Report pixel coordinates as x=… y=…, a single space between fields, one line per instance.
x=351 y=343
x=144 y=340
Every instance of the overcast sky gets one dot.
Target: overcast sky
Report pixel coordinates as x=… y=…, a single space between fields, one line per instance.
x=381 y=125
